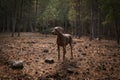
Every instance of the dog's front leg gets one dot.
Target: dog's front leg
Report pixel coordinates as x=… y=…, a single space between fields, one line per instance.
x=64 y=52
x=58 y=52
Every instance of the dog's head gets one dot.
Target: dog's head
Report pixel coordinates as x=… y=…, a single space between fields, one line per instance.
x=57 y=30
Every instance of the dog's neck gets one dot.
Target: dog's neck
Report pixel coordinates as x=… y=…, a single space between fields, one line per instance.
x=60 y=37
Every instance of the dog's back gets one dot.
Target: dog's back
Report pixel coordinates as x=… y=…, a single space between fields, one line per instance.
x=68 y=38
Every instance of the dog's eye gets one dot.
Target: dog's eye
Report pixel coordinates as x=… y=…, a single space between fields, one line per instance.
x=55 y=29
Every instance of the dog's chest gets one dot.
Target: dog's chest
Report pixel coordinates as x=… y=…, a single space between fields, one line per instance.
x=61 y=41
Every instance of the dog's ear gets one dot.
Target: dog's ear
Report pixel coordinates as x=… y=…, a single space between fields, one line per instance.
x=58 y=31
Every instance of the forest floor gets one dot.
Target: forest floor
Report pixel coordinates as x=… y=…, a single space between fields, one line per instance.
x=93 y=60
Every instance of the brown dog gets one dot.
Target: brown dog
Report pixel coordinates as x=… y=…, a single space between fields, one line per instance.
x=62 y=40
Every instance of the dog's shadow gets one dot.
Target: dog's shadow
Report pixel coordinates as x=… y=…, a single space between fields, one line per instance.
x=63 y=66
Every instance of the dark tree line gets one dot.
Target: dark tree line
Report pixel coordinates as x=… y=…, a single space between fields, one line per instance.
x=94 y=18
x=16 y=16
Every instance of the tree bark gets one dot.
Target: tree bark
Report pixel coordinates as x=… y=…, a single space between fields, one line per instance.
x=36 y=14
x=78 y=22
x=117 y=30
x=93 y=20
x=92 y=25
x=99 y=24
x=20 y=17
x=13 y=25
x=14 y=18
x=3 y=25
x=8 y=24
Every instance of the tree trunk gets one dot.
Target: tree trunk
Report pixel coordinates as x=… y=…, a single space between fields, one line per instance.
x=117 y=24
x=8 y=24
x=3 y=25
x=31 y=27
x=99 y=24
x=92 y=26
x=19 y=30
x=36 y=14
x=14 y=18
x=78 y=22
x=65 y=23
x=13 y=25
x=93 y=20
x=20 y=18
